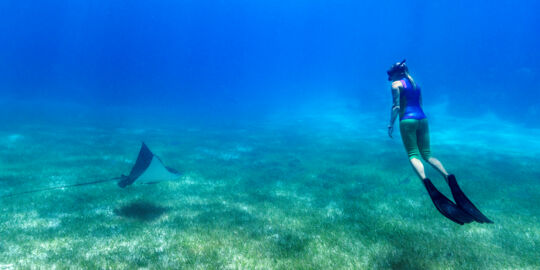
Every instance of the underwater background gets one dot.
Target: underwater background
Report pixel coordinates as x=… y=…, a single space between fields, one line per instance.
x=275 y=113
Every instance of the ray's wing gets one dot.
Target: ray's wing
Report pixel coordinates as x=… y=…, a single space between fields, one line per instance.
x=148 y=168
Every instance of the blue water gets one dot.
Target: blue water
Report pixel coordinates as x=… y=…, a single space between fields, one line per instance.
x=275 y=114
x=237 y=58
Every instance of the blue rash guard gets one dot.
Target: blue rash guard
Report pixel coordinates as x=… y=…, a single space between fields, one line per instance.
x=410 y=101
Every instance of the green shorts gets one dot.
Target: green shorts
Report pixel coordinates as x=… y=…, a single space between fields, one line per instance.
x=415 y=136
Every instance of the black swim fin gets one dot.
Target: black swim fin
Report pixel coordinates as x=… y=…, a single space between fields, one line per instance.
x=445 y=206
x=464 y=203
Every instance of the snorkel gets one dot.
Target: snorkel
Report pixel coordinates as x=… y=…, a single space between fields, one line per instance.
x=396 y=68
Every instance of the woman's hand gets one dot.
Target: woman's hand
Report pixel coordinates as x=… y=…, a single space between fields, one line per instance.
x=390 y=130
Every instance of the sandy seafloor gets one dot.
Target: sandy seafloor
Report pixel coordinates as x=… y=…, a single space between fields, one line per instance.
x=325 y=191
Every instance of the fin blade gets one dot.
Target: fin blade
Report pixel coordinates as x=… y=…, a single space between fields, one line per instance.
x=464 y=203
x=445 y=206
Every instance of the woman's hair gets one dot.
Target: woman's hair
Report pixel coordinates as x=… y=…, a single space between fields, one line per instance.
x=399 y=68
x=406 y=73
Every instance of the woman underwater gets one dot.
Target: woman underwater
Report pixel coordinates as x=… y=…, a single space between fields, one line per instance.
x=413 y=125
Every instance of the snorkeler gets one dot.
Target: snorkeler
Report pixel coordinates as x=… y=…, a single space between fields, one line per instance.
x=413 y=125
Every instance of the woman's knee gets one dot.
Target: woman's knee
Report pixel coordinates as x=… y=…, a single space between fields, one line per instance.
x=426 y=157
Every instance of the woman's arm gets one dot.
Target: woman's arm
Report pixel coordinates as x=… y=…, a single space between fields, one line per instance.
x=395 y=107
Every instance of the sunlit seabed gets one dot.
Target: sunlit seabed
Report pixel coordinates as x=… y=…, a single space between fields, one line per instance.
x=327 y=191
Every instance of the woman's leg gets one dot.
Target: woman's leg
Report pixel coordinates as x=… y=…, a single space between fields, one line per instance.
x=425 y=149
x=438 y=166
x=418 y=167
x=408 y=129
